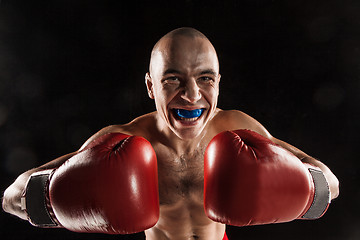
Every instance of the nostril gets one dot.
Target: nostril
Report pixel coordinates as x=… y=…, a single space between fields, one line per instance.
x=191 y=95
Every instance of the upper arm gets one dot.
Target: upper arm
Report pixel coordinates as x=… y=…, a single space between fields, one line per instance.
x=131 y=128
x=242 y=121
x=103 y=131
x=60 y=160
x=297 y=152
x=234 y=119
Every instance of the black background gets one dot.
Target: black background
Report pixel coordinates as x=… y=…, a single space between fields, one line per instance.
x=69 y=68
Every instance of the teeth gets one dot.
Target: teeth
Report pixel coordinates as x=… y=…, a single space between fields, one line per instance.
x=188 y=119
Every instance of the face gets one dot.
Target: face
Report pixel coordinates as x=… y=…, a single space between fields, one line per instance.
x=184 y=82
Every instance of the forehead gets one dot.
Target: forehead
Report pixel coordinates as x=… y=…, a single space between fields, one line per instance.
x=185 y=54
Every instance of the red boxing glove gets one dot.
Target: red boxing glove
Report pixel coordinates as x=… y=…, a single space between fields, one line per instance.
x=109 y=187
x=249 y=180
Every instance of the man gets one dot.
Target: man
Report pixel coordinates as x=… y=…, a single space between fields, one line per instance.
x=183 y=80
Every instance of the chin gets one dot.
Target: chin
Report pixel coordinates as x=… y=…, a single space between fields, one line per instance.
x=188 y=134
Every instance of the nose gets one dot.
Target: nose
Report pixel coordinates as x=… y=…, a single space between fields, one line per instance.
x=191 y=92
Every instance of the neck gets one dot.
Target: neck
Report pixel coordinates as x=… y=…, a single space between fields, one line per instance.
x=178 y=144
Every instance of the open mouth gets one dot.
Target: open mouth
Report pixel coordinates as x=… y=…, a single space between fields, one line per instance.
x=188 y=115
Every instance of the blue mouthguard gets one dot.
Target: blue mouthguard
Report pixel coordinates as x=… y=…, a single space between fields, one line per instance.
x=189 y=113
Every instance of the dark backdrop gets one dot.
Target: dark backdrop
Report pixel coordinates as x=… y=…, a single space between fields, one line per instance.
x=69 y=68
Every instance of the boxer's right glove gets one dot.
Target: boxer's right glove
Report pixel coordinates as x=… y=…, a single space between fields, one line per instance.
x=250 y=180
x=109 y=187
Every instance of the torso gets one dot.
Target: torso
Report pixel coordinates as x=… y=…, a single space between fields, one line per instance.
x=181 y=180
x=181 y=198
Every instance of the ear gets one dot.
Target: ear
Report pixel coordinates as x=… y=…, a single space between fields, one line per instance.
x=149 y=85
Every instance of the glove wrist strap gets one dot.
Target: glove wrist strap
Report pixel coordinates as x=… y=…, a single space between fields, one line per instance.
x=36 y=200
x=321 y=199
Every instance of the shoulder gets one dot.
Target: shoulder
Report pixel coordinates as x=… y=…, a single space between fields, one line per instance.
x=138 y=127
x=232 y=119
x=228 y=120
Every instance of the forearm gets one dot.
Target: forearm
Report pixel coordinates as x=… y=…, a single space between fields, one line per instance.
x=330 y=177
x=11 y=201
x=305 y=158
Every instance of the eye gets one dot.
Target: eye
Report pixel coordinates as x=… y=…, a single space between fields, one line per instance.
x=206 y=79
x=171 y=80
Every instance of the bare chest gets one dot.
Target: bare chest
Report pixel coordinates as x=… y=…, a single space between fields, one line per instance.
x=181 y=177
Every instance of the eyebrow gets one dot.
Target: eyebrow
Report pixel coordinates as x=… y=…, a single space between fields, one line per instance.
x=174 y=71
x=208 y=71
x=171 y=71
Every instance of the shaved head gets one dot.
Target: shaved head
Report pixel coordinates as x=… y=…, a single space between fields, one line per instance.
x=185 y=32
x=174 y=39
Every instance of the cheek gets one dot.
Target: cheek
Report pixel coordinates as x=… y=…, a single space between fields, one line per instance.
x=211 y=93
x=165 y=94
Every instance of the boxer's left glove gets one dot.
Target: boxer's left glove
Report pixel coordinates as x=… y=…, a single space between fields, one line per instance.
x=249 y=180
x=111 y=187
